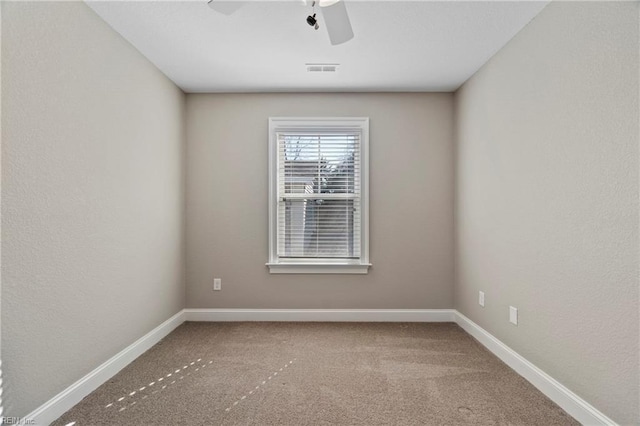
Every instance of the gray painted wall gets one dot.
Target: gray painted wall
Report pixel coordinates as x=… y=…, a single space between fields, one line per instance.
x=92 y=198
x=547 y=199
x=411 y=202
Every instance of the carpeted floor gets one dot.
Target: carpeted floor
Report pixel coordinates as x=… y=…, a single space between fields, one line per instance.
x=317 y=374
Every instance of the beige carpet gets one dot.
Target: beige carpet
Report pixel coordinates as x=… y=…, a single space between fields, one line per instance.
x=317 y=374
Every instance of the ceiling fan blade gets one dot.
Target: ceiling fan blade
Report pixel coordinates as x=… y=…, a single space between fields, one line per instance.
x=226 y=7
x=336 y=19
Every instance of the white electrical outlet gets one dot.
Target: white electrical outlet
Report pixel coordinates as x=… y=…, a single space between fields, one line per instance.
x=217 y=284
x=513 y=315
x=481 y=298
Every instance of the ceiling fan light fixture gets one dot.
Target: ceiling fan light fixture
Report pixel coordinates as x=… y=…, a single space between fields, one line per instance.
x=326 y=3
x=336 y=20
x=226 y=7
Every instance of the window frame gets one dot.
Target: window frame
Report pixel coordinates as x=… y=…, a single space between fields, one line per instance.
x=318 y=265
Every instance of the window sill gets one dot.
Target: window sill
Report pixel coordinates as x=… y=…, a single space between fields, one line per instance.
x=318 y=268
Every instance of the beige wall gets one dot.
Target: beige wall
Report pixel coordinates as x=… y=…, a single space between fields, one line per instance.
x=92 y=198
x=547 y=199
x=411 y=202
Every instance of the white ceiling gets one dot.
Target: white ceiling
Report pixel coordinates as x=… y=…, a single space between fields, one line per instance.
x=264 y=46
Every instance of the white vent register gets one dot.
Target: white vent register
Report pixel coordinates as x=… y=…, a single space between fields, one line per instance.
x=322 y=67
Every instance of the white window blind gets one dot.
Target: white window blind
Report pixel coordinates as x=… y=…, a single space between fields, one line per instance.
x=318 y=195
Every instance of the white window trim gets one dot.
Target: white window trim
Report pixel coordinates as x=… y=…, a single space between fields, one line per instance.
x=318 y=266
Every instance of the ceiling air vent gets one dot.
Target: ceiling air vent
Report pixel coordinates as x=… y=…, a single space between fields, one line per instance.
x=322 y=67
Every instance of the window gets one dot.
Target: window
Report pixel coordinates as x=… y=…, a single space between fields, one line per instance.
x=318 y=195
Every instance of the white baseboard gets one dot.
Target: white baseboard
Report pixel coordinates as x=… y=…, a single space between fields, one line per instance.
x=65 y=400
x=577 y=407
x=566 y=399
x=333 y=315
